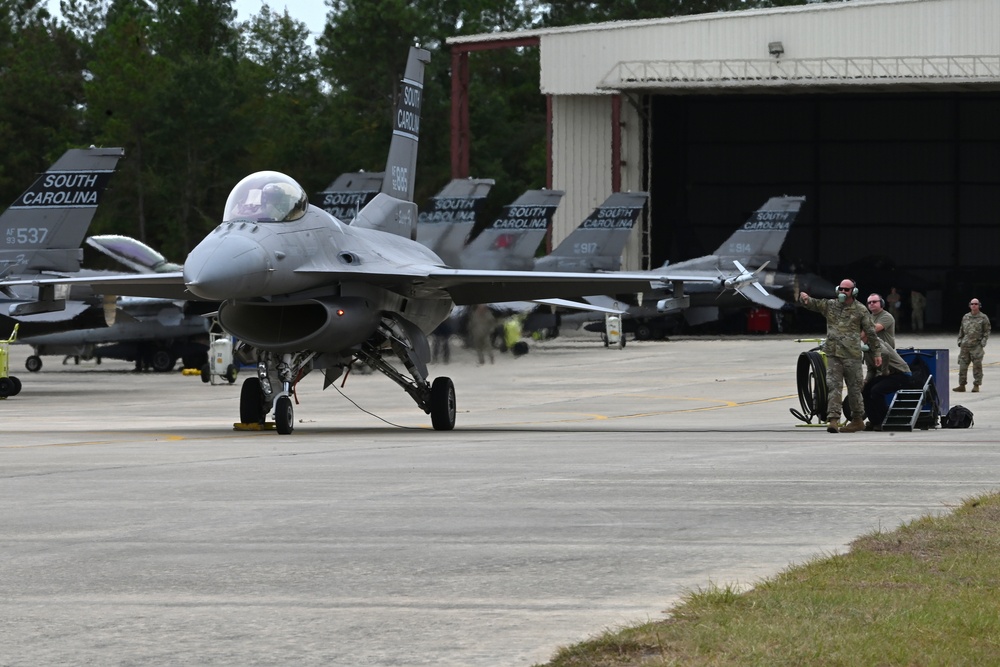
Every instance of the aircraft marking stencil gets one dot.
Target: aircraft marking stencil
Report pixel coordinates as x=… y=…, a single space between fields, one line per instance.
x=43 y=229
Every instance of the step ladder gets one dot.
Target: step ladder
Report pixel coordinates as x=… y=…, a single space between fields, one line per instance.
x=911 y=408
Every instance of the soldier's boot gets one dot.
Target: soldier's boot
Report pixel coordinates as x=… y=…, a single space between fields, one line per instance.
x=961 y=387
x=854 y=426
x=975 y=388
x=833 y=426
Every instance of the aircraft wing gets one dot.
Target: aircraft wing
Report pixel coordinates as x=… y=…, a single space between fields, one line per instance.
x=163 y=285
x=464 y=286
x=469 y=286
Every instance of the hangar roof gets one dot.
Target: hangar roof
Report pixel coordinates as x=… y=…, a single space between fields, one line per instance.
x=911 y=44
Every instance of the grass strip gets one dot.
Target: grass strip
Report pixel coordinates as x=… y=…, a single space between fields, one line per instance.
x=923 y=594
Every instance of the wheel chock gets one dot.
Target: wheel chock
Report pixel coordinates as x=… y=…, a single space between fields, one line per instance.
x=268 y=426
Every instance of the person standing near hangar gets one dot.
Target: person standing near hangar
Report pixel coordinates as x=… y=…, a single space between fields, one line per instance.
x=972 y=336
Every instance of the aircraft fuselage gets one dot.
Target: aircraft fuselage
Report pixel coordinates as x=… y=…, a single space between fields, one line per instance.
x=307 y=283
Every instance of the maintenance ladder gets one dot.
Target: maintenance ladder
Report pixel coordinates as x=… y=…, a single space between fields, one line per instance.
x=907 y=409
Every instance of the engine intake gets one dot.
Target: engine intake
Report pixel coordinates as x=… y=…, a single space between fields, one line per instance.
x=322 y=325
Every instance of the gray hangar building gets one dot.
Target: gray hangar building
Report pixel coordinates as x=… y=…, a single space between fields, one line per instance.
x=885 y=114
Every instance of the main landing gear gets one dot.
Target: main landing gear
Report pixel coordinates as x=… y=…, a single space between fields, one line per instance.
x=277 y=375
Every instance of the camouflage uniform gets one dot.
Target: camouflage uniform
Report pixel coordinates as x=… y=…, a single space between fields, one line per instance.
x=972 y=337
x=844 y=323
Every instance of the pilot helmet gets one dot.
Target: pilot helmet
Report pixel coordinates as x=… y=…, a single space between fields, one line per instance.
x=272 y=194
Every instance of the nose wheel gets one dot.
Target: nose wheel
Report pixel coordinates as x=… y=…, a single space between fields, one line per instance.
x=284 y=415
x=442 y=404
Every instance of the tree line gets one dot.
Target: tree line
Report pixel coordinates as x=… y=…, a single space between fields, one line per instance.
x=199 y=97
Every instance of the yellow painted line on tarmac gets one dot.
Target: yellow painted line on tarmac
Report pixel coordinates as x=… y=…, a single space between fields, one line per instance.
x=128 y=439
x=586 y=416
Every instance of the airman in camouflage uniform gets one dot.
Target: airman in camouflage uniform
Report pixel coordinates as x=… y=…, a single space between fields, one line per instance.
x=972 y=337
x=845 y=320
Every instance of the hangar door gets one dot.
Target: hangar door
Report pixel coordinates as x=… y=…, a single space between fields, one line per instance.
x=902 y=189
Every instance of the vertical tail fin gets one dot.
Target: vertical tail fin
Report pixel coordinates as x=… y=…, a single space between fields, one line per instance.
x=510 y=241
x=349 y=193
x=597 y=244
x=446 y=224
x=402 y=163
x=44 y=228
x=760 y=238
x=392 y=210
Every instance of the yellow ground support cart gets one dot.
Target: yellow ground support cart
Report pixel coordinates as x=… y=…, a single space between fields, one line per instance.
x=9 y=385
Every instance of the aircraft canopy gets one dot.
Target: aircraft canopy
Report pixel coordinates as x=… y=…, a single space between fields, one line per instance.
x=266 y=196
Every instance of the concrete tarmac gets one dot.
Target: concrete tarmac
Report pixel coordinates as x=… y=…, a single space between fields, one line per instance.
x=583 y=488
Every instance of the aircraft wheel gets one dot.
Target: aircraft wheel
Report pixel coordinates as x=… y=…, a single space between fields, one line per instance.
x=33 y=363
x=206 y=373
x=6 y=387
x=17 y=385
x=230 y=373
x=443 y=404
x=252 y=402
x=163 y=361
x=284 y=415
x=643 y=332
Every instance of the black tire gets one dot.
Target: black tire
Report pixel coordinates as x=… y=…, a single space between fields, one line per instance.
x=163 y=361
x=231 y=374
x=284 y=415
x=252 y=402
x=17 y=385
x=33 y=363
x=643 y=332
x=206 y=373
x=443 y=405
x=6 y=387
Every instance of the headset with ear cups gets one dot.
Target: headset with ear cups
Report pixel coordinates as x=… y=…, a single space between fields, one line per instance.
x=854 y=292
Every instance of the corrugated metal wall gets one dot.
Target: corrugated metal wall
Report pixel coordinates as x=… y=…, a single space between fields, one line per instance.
x=581 y=136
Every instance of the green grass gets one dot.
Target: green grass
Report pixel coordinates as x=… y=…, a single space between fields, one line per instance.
x=927 y=593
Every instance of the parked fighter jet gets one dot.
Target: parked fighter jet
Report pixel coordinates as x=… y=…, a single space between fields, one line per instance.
x=598 y=242
x=511 y=241
x=303 y=291
x=446 y=225
x=42 y=234
x=752 y=250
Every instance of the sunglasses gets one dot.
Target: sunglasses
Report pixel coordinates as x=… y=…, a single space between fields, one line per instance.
x=844 y=289
x=871 y=302
x=974 y=303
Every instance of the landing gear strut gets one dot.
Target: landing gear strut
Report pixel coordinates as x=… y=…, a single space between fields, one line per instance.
x=395 y=336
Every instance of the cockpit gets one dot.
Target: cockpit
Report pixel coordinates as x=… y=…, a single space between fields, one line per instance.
x=266 y=196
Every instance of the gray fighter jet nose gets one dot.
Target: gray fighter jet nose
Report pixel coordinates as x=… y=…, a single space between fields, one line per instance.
x=229 y=266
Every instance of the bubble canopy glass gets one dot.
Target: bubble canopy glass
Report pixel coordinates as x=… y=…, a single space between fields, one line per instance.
x=266 y=196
